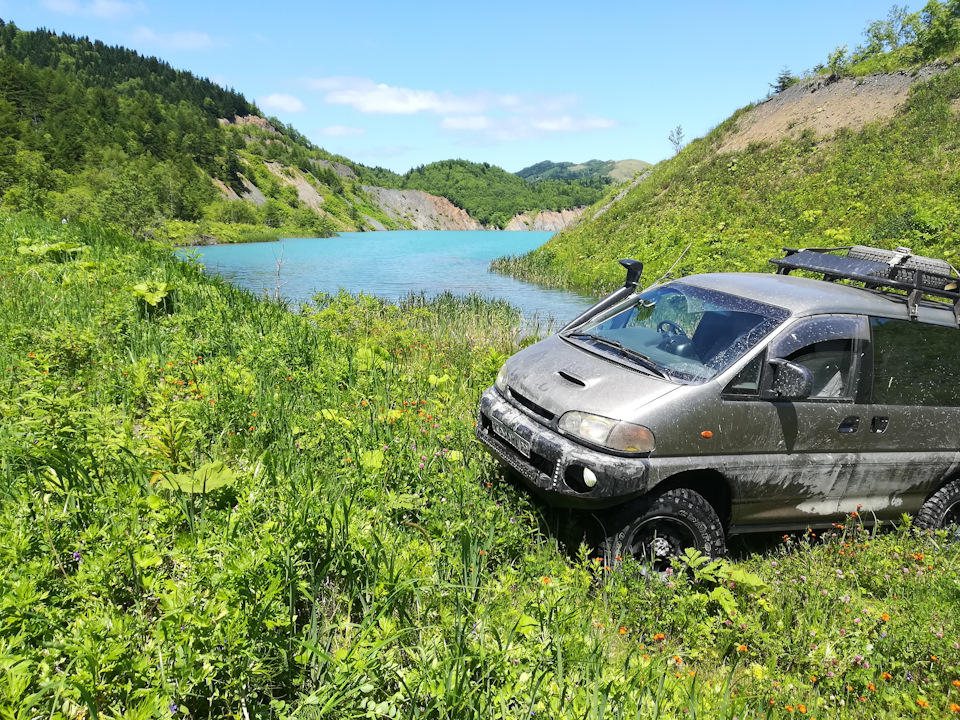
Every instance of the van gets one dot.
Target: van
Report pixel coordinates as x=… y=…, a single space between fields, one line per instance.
x=730 y=403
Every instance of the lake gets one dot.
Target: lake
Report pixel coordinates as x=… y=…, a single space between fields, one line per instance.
x=393 y=264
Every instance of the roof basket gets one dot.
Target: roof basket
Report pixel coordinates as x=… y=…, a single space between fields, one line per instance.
x=898 y=269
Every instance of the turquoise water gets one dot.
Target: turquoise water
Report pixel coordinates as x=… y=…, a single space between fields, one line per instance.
x=393 y=264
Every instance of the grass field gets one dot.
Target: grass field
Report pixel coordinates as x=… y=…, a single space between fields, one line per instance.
x=214 y=505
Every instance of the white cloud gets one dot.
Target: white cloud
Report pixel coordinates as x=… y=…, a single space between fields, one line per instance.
x=103 y=9
x=467 y=122
x=367 y=96
x=341 y=131
x=183 y=40
x=518 y=128
x=480 y=117
x=279 y=101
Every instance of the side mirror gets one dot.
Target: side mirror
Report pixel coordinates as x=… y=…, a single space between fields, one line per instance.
x=788 y=381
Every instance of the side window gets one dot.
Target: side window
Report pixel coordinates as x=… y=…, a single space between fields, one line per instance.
x=915 y=364
x=828 y=346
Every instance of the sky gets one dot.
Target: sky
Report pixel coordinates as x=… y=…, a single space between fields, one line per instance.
x=403 y=83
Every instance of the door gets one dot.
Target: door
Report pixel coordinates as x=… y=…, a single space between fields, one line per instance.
x=790 y=461
x=912 y=434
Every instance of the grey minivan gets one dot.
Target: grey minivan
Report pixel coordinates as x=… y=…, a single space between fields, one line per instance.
x=729 y=403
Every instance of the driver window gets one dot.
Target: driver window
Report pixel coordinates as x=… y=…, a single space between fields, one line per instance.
x=826 y=346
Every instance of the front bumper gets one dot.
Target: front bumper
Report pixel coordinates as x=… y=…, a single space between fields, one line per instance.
x=552 y=465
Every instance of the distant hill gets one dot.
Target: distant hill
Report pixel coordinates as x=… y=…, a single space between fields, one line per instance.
x=617 y=171
x=100 y=133
x=493 y=196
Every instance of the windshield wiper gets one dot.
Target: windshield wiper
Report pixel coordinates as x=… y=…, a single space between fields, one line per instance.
x=647 y=362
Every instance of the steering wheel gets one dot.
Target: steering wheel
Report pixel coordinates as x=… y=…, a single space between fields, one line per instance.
x=669 y=326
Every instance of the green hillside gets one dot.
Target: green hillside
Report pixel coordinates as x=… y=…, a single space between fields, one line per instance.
x=493 y=196
x=92 y=132
x=894 y=182
x=613 y=171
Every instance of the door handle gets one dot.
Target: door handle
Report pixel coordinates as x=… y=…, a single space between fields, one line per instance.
x=850 y=424
x=879 y=424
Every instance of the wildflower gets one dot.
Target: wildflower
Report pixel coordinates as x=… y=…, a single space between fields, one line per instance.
x=871 y=687
x=623 y=630
x=788 y=708
x=954 y=707
x=546 y=580
x=802 y=708
x=922 y=703
x=659 y=636
x=956 y=683
x=886 y=676
x=742 y=648
x=885 y=617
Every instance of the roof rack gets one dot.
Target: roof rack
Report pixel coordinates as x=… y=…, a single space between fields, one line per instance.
x=880 y=269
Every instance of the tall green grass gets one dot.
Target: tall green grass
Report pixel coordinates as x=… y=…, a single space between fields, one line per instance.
x=217 y=507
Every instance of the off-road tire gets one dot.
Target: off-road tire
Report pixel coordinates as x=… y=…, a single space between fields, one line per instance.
x=942 y=509
x=657 y=528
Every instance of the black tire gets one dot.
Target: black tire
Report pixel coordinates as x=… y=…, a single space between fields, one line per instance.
x=942 y=509
x=657 y=528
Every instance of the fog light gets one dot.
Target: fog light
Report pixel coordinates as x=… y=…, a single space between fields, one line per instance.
x=589 y=479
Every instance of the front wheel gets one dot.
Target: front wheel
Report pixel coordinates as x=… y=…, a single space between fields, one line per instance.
x=660 y=527
x=942 y=509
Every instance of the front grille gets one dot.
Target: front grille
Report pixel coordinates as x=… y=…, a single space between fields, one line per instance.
x=531 y=405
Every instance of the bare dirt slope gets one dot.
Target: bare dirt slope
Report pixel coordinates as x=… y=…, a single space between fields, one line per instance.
x=824 y=105
x=420 y=210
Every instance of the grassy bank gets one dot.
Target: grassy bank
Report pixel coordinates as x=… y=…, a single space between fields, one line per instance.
x=893 y=183
x=211 y=506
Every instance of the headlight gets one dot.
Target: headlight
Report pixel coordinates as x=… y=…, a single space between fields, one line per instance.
x=605 y=432
x=501 y=382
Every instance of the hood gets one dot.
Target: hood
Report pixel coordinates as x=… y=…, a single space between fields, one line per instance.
x=556 y=375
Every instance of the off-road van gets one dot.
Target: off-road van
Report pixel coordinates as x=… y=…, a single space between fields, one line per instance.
x=730 y=403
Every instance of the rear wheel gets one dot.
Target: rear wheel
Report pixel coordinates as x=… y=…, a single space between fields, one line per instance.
x=655 y=529
x=942 y=509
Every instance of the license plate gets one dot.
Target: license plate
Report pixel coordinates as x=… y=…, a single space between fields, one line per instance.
x=511 y=436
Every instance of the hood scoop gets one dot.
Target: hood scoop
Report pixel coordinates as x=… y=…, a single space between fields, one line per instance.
x=572 y=379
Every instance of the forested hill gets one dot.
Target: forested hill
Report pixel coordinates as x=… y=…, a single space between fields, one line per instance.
x=99 y=65
x=862 y=150
x=611 y=170
x=493 y=196
x=101 y=133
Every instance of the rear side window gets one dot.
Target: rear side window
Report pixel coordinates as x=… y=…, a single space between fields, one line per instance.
x=915 y=364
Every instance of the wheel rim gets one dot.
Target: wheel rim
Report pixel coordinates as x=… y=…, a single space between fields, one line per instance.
x=658 y=539
x=951 y=515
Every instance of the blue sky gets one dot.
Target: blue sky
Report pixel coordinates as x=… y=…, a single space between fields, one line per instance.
x=400 y=84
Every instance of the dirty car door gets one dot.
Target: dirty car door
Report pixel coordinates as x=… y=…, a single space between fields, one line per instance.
x=789 y=461
x=912 y=433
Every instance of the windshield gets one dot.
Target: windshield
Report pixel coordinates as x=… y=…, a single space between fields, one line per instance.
x=679 y=331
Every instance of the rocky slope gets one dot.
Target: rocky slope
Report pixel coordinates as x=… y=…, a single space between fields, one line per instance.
x=418 y=210
x=545 y=220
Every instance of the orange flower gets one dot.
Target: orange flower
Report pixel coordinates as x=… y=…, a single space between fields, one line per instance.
x=886 y=676
x=956 y=683
x=742 y=648
x=954 y=707
x=678 y=660
x=545 y=580
x=802 y=708
x=922 y=703
x=885 y=617
x=623 y=630
x=788 y=708
x=659 y=636
x=871 y=687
